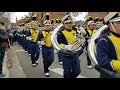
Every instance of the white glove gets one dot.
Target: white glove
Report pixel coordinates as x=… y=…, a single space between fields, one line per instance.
x=42 y=43
x=82 y=30
x=88 y=40
x=30 y=39
x=68 y=47
x=11 y=34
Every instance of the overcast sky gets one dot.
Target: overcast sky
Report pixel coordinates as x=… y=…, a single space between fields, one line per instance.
x=19 y=15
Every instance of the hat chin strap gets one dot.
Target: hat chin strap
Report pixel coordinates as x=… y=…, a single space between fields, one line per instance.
x=112 y=27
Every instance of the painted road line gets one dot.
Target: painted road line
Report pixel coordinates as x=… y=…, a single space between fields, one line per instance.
x=20 y=50
x=60 y=71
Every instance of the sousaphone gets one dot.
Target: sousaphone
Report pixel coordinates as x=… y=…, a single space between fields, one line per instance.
x=78 y=44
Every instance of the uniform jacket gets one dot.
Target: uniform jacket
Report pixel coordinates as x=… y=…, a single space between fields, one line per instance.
x=47 y=35
x=65 y=37
x=108 y=51
x=34 y=34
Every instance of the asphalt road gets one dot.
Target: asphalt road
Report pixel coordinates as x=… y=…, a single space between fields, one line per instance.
x=56 y=70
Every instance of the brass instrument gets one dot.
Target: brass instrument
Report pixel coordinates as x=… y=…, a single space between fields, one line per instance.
x=79 y=43
x=91 y=45
x=91 y=53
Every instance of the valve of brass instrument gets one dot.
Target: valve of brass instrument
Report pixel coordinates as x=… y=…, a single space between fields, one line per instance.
x=76 y=42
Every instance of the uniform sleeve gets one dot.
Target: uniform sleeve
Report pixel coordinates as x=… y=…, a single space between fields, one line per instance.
x=87 y=33
x=28 y=34
x=40 y=36
x=102 y=54
x=61 y=39
x=25 y=32
x=21 y=32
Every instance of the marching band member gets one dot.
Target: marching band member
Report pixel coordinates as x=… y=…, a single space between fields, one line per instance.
x=59 y=54
x=15 y=34
x=52 y=22
x=27 y=38
x=71 y=64
x=32 y=36
x=47 y=49
x=89 y=18
x=21 y=34
x=90 y=31
x=108 y=46
x=18 y=34
x=96 y=19
x=25 y=33
x=98 y=23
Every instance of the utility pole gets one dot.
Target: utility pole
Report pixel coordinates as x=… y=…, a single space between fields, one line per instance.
x=42 y=17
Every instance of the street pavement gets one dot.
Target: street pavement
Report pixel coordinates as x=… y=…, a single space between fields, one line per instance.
x=22 y=67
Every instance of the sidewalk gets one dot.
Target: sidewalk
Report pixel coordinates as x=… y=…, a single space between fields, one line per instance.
x=16 y=71
x=5 y=69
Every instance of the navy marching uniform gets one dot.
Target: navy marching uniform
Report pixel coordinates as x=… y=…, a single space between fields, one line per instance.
x=71 y=64
x=25 y=35
x=21 y=34
x=27 y=38
x=32 y=36
x=18 y=34
x=108 y=46
x=90 y=31
x=15 y=35
x=47 y=49
x=59 y=54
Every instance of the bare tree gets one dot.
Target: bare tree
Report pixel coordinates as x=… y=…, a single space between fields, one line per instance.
x=30 y=14
x=5 y=16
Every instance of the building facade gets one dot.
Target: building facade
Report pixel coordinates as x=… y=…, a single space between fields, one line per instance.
x=42 y=16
